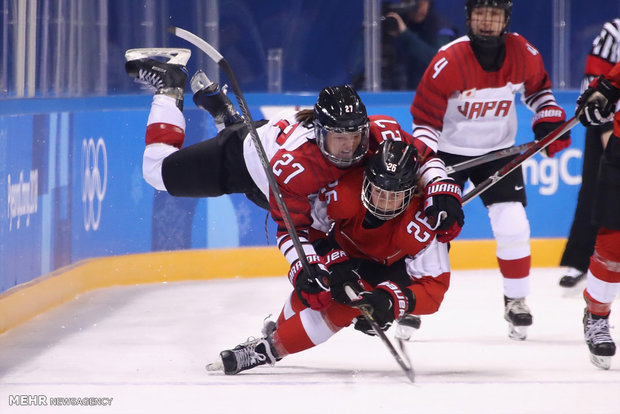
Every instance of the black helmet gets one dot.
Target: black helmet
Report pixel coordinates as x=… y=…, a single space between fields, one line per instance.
x=339 y=109
x=506 y=5
x=390 y=179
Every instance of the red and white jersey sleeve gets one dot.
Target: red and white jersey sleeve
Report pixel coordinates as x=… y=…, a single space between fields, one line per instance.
x=605 y=52
x=165 y=133
x=461 y=109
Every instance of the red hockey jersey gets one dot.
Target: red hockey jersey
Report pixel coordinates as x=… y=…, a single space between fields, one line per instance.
x=407 y=236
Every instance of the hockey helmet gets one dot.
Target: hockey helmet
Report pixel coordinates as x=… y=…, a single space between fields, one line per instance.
x=390 y=179
x=506 y=5
x=339 y=110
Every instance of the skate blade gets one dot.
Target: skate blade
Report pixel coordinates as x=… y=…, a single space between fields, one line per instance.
x=517 y=333
x=174 y=56
x=406 y=327
x=404 y=333
x=215 y=366
x=602 y=362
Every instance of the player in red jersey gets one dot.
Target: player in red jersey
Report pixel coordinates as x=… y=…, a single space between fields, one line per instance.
x=596 y=106
x=580 y=243
x=464 y=107
x=307 y=150
x=382 y=243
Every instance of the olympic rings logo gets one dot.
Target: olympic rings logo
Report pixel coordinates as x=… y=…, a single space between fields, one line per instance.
x=94 y=180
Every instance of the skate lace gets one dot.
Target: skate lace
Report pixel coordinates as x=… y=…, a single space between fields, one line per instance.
x=597 y=331
x=150 y=78
x=517 y=306
x=247 y=355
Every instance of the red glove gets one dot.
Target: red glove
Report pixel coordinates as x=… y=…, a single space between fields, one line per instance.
x=313 y=289
x=546 y=121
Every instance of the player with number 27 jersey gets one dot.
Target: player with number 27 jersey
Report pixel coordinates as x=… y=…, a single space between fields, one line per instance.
x=301 y=170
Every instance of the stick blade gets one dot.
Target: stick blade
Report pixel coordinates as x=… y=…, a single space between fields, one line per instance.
x=197 y=41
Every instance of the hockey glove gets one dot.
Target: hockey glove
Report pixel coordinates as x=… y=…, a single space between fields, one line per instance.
x=546 y=121
x=596 y=104
x=313 y=290
x=442 y=205
x=388 y=302
x=362 y=325
x=341 y=272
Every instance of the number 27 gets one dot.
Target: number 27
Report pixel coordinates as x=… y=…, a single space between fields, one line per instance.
x=286 y=160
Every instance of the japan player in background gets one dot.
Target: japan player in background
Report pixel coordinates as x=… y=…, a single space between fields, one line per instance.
x=464 y=107
x=307 y=149
x=381 y=243
x=596 y=106
x=604 y=54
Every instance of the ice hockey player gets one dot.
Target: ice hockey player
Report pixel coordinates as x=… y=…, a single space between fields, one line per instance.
x=464 y=107
x=596 y=106
x=307 y=150
x=580 y=243
x=408 y=272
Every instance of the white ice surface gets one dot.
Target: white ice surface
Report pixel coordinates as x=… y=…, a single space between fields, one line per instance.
x=146 y=347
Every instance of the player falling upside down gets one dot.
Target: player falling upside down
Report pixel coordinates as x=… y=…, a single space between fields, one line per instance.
x=307 y=150
x=406 y=272
x=596 y=106
x=464 y=107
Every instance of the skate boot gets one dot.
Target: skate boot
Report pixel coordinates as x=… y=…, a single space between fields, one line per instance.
x=210 y=97
x=572 y=277
x=518 y=316
x=598 y=338
x=406 y=327
x=248 y=355
x=168 y=78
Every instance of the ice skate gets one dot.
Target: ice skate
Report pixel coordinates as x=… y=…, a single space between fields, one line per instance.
x=572 y=279
x=518 y=316
x=248 y=355
x=212 y=98
x=164 y=77
x=598 y=338
x=406 y=327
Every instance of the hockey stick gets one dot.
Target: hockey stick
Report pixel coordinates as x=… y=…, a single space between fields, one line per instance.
x=497 y=155
x=367 y=313
x=517 y=161
x=247 y=119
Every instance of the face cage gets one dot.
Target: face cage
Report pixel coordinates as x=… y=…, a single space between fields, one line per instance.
x=359 y=153
x=388 y=196
x=506 y=16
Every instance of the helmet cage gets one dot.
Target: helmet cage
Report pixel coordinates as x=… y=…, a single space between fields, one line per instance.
x=390 y=179
x=505 y=5
x=321 y=133
x=385 y=204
